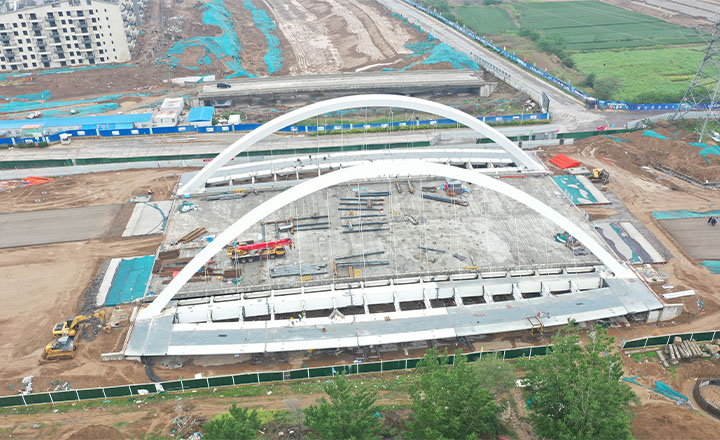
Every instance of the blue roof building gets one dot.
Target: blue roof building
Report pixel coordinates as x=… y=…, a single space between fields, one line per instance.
x=102 y=122
x=201 y=116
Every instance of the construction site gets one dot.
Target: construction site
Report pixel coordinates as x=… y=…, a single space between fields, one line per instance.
x=152 y=265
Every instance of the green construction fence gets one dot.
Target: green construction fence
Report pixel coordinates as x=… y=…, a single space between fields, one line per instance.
x=658 y=341
x=245 y=379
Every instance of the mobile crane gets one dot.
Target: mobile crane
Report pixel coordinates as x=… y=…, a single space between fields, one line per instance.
x=268 y=250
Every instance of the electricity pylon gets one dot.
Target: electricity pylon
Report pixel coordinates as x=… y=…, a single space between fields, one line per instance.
x=702 y=95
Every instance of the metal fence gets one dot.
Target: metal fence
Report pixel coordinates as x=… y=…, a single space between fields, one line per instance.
x=245 y=379
x=659 y=341
x=129 y=132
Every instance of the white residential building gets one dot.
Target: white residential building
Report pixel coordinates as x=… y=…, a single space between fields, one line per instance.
x=40 y=34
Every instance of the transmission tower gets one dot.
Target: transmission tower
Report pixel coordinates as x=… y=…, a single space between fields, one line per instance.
x=702 y=95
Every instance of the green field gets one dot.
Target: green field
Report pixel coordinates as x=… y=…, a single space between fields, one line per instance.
x=484 y=20
x=647 y=75
x=591 y=25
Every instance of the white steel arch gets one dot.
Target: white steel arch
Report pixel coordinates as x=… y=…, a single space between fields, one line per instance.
x=379 y=169
x=521 y=158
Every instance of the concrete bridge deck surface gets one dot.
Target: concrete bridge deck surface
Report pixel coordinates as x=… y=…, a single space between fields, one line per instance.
x=348 y=82
x=211 y=143
x=159 y=336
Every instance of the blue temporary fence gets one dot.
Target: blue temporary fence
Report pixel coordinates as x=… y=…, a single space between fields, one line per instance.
x=585 y=97
x=503 y=119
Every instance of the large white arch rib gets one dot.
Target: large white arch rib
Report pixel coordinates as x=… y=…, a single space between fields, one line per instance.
x=520 y=158
x=379 y=169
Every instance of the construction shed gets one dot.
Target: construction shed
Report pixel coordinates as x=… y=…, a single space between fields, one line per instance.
x=201 y=116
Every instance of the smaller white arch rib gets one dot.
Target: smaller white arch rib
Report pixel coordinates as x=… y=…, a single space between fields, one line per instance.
x=379 y=169
x=521 y=158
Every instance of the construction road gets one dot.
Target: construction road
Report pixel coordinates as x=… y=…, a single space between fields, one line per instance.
x=55 y=226
x=566 y=109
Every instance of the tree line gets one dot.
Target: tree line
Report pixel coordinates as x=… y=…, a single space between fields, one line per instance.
x=574 y=392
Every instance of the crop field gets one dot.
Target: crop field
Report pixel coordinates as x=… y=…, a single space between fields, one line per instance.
x=591 y=25
x=484 y=20
x=647 y=75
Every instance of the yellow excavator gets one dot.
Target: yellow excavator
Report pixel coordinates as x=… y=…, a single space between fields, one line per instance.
x=70 y=327
x=61 y=348
x=600 y=175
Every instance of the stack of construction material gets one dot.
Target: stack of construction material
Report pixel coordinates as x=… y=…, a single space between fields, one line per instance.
x=192 y=235
x=683 y=349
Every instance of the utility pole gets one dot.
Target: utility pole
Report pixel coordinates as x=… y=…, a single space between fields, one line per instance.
x=702 y=95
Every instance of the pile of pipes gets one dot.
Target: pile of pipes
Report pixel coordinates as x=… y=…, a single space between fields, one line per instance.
x=682 y=349
x=192 y=235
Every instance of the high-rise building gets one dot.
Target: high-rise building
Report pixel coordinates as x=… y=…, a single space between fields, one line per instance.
x=40 y=34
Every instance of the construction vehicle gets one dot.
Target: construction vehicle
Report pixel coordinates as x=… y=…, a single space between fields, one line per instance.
x=267 y=250
x=70 y=327
x=62 y=348
x=600 y=175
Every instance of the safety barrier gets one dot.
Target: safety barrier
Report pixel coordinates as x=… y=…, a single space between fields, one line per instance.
x=246 y=379
x=658 y=341
x=585 y=97
x=503 y=119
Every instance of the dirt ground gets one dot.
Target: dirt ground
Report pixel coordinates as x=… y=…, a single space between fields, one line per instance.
x=42 y=285
x=90 y=190
x=315 y=37
x=642 y=192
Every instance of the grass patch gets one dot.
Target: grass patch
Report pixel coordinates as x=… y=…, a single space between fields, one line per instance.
x=646 y=75
x=591 y=25
x=484 y=20
x=641 y=357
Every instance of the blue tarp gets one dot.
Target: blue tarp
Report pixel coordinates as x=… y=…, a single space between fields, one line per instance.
x=130 y=280
x=683 y=213
x=575 y=190
x=94 y=121
x=712 y=265
x=201 y=114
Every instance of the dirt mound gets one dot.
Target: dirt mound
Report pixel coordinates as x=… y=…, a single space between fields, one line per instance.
x=94 y=432
x=664 y=420
x=634 y=150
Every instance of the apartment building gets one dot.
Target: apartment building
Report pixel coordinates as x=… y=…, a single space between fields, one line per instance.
x=40 y=34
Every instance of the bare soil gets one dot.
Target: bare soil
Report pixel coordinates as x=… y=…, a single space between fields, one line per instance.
x=90 y=190
x=642 y=192
x=316 y=36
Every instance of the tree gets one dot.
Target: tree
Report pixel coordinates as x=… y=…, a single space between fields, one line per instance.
x=605 y=88
x=239 y=424
x=495 y=375
x=350 y=414
x=450 y=401
x=575 y=391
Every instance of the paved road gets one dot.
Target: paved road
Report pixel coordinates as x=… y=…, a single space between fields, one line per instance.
x=56 y=226
x=566 y=109
x=143 y=146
